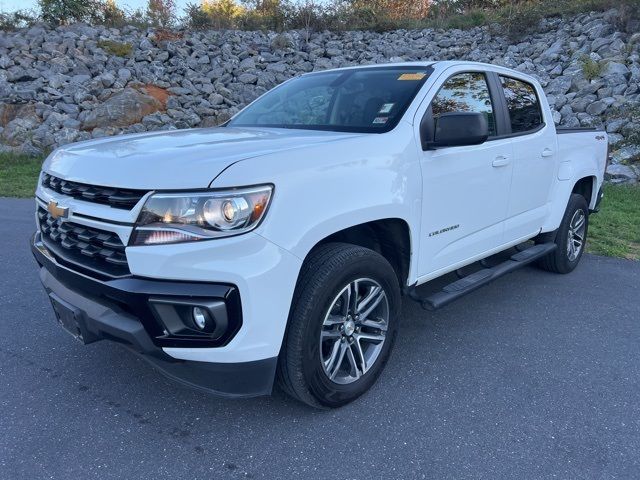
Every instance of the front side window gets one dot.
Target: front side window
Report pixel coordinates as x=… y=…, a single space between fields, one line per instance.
x=523 y=105
x=367 y=100
x=465 y=92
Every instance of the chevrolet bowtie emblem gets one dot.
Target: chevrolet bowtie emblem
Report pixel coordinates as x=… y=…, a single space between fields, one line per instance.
x=56 y=211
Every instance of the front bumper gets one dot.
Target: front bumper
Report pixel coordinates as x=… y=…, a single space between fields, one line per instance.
x=118 y=310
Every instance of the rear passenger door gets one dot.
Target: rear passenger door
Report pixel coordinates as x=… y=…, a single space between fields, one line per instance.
x=534 y=158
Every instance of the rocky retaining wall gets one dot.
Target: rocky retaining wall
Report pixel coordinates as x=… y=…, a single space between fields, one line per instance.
x=70 y=84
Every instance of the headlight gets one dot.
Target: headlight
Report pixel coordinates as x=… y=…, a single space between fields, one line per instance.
x=186 y=217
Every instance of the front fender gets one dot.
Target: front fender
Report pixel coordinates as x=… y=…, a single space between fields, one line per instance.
x=326 y=188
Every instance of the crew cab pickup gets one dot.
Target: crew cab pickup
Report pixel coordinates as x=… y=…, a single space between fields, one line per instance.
x=277 y=247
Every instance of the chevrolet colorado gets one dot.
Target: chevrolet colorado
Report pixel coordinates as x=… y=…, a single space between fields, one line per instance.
x=277 y=246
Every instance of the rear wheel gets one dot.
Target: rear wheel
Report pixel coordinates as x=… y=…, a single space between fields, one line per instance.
x=570 y=238
x=342 y=325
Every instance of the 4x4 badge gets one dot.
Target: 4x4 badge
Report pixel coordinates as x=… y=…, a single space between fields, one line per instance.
x=56 y=211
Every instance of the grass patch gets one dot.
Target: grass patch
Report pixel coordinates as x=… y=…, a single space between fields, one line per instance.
x=116 y=48
x=18 y=175
x=615 y=230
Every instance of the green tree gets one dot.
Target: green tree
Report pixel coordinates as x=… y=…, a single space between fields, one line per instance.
x=161 y=13
x=222 y=13
x=111 y=14
x=62 y=12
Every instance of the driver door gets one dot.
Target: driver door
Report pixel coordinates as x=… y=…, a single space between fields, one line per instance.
x=465 y=188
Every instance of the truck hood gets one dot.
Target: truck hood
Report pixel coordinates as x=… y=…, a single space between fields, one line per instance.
x=179 y=159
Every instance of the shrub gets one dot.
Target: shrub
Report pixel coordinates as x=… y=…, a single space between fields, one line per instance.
x=281 y=42
x=196 y=17
x=473 y=18
x=591 y=68
x=218 y=14
x=116 y=48
x=112 y=15
x=308 y=15
x=61 y=12
x=395 y=9
x=161 y=13
x=520 y=19
x=15 y=20
x=166 y=35
x=137 y=18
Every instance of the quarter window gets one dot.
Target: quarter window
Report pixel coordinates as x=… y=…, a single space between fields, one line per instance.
x=465 y=92
x=523 y=105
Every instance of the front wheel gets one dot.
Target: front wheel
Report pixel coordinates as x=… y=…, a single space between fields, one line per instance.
x=571 y=237
x=342 y=325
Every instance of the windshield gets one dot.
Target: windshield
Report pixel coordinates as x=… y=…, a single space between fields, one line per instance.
x=367 y=100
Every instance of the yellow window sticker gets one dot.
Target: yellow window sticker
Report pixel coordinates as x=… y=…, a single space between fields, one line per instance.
x=412 y=76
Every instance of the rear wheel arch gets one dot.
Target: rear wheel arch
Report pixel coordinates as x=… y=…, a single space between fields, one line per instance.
x=586 y=186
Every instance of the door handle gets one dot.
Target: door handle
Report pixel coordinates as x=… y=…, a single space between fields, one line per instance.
x=501 y=161
x=547 y=152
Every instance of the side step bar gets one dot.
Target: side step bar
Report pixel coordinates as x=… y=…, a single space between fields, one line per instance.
x=472 y=282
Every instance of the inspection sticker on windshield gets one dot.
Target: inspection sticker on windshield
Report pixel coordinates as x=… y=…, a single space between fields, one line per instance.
x=412 y=76
x=380 y=120
x=386 y=108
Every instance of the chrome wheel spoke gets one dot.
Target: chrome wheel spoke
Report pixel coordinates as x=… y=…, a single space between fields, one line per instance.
x=354 y=330
x=330 y=334
x=360 y=355
x=576 y=235
x=370 y=337
x=370 y=302
x=355 y=370
x=333 y=320
x=378 y=324
x=346 y=301
x=336 y=360
x=373 y=292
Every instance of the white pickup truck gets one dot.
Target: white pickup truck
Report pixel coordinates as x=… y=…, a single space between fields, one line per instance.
x=277 y=247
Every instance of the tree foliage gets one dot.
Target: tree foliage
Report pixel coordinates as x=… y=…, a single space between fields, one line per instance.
x=516 y=17
x=60 y=12
x=161 y=13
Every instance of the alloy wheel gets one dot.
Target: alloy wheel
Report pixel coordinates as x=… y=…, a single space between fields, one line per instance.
x=354 y=331
x=576 y=235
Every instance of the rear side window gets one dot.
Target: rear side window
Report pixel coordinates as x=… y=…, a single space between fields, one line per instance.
x=465 y=92
x=523 y=105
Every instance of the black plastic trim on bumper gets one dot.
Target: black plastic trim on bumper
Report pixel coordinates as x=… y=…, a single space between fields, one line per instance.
x=132 y=294
x=93 y=320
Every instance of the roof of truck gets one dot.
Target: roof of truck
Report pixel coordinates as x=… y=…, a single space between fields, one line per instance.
x=441 y=64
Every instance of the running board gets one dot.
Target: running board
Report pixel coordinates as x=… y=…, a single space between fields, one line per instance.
x=472 y=282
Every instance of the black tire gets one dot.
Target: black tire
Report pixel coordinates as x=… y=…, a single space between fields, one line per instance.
x=323 y=276
x=559 y=261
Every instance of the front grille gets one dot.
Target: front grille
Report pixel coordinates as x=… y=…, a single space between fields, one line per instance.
x=88 y=249
x=114 y=197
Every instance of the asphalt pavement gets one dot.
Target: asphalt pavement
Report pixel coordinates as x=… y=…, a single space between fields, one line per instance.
x=534 y=376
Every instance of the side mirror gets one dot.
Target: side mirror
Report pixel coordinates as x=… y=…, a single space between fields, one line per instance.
x=456 y=129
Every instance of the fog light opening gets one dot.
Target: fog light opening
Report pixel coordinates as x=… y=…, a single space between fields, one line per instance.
x=200 y=317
